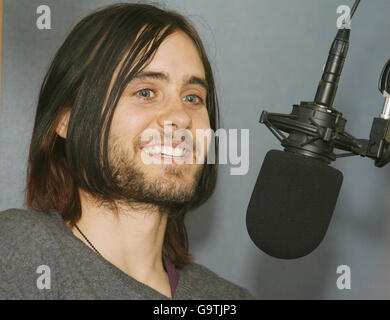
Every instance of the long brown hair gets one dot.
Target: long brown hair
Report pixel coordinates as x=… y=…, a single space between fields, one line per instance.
x=78 y=79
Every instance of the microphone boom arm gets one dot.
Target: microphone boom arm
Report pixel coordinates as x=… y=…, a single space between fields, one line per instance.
x=315 y=128
x=376 y=148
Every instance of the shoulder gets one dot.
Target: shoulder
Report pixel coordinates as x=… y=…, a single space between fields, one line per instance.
x=212 y=286
x=27 y=243
x=25 y=230
x=22 y=221
x=22 y=216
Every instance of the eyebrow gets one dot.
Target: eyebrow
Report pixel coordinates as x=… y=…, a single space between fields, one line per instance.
x=163 y=76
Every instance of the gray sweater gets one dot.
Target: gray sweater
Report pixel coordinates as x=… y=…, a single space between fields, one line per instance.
x=40 y=258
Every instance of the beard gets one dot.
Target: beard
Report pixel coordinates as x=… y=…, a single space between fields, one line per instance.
x=171 y=190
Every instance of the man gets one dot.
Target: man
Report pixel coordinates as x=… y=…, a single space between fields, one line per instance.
x=105 y=223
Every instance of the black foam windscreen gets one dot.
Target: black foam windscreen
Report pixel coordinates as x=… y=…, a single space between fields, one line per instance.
x=292 y=204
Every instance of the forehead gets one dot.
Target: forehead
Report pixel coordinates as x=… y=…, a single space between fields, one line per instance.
x=178 y=57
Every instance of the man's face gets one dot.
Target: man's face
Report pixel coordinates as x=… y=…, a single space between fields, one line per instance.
x=170 y=90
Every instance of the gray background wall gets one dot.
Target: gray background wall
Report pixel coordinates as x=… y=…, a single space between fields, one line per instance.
x=269 y=55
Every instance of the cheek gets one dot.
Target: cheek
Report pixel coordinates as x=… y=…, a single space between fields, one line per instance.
x=201 y=120
x=129 y=122
x=201 y=126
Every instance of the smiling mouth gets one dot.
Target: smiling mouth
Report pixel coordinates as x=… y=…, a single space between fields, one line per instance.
x=167 y=154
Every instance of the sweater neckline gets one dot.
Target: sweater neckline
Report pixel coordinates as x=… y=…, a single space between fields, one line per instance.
x=124 y=276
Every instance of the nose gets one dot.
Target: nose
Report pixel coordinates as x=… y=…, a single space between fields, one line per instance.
x=175 y=113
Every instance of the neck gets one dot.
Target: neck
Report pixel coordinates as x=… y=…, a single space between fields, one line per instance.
x=131 y=240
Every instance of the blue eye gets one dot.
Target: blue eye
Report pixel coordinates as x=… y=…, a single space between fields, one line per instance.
x=194 y=99
x=145 y=93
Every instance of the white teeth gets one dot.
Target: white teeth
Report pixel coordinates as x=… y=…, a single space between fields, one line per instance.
x=166 y=150
x=155 y=150
x=173 y=152
x=179 y=152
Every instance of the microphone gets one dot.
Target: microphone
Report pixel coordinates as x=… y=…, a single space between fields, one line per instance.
x=296 y=191
x=292 y=204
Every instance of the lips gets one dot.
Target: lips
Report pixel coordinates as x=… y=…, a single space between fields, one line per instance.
x=175 y=153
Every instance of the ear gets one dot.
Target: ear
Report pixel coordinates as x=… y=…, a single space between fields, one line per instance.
x=62 y=127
